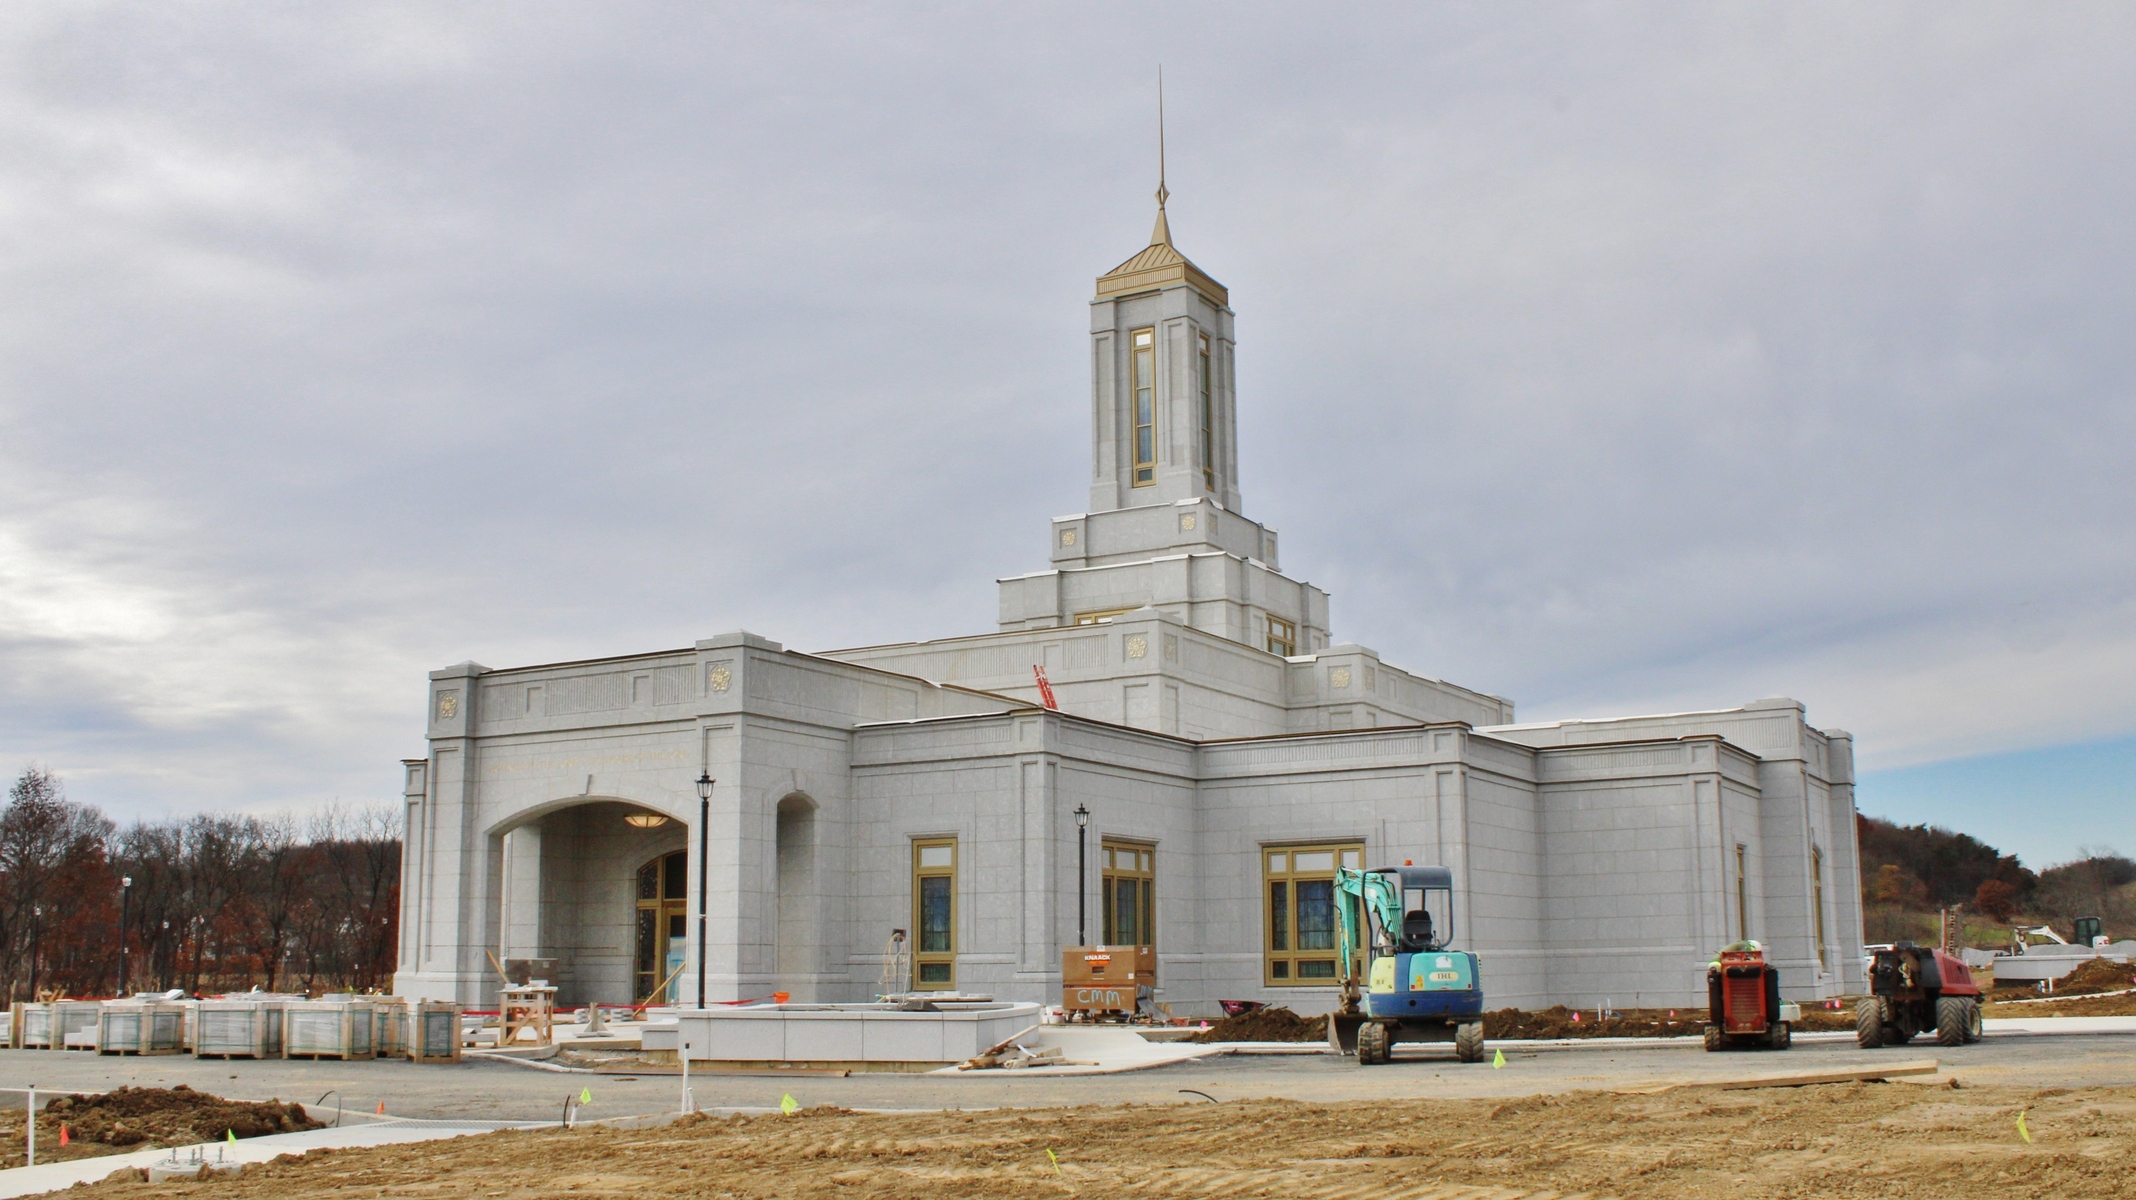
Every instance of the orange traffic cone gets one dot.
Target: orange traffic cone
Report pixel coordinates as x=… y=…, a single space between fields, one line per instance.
x=63 y=1138
x=381 y=1108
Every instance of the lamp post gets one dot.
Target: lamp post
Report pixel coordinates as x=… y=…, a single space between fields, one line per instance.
x=704 y=850
x=125 y=895
x=36 y=944
x=1082 y=872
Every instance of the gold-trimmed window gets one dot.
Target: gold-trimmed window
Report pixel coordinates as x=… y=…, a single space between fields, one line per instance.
x=934 y=914
x=663 y=926
x=1102 y=616
x=1299 y=918
x=1817 y=901
x=1143 y=353
x=1127 y=893
x=1282 y=637
x=1208 y=421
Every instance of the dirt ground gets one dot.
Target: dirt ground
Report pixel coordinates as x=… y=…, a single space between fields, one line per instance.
x=131 y=1118
x=1283 y=1025
x=1850 y=1140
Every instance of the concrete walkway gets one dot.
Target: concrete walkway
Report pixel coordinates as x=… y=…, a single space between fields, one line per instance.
x=52 y=1177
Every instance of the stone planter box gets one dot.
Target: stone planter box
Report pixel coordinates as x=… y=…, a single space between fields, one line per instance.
x=858 y=1037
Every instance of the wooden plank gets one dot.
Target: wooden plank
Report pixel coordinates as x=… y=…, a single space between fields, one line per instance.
x=1893 y=1070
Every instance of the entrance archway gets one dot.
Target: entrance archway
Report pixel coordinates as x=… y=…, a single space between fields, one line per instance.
x=663 y=926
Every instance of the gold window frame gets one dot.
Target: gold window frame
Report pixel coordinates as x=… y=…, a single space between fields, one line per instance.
x=1101 y=616
x=1282 y=637
x=1142 y=403
x=655 y=918
x=933 y=970
x=1283 y=962
x=1742 y=893
x=1208 y=420
x=1817 y=901
x=1123 y=863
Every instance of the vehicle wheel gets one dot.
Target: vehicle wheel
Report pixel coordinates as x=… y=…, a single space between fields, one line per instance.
x=1778 y=1036
x=1869 y=1024
x=1374 y=1046
x=1972 y=1019
x=1951 y=1022
x=1468 y=1042
x=1713 y=1038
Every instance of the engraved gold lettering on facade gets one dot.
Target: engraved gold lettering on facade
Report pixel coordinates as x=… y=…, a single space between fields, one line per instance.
x=719 y=678
x=1138 y=646
x=1338 y=677
x=448 y=705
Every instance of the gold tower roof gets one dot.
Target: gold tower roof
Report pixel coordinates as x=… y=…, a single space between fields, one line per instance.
x=1160 y=264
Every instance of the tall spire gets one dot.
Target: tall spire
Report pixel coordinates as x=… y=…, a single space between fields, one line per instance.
x=1161 y=235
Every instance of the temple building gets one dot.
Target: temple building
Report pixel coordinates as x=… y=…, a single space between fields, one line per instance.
x=906 y=817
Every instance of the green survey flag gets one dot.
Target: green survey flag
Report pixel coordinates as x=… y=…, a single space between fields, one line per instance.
x=1053 y=1158
x=789 y=1105
x=1498 y=1060
x=2022 y=1131
x=233 y=1134
x=585 y=1095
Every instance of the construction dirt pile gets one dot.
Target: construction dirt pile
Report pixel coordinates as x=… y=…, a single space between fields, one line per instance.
x=2087 y=991
x=1841 y=1141
x=141 y=1118
x=1266 y=1025
x=2098 y=975
x=1560 y=1022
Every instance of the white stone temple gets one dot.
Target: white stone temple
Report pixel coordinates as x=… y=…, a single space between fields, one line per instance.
x=905 y=817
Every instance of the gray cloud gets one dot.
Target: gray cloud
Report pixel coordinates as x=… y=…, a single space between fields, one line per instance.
x=1609 y=358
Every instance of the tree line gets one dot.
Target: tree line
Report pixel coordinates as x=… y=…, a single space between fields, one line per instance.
x=1911 y=871
x=217 y=902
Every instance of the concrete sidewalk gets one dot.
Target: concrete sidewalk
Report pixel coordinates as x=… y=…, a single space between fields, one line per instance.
x=51 y=1177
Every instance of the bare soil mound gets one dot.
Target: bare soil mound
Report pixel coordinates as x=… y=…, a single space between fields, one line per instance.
x=141 y=1118
x=1266 y=1025
x=1558 y=1022
x=1840 y=1142
x=2098 y=975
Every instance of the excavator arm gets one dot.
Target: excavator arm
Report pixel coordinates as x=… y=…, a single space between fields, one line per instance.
x=1383 y=897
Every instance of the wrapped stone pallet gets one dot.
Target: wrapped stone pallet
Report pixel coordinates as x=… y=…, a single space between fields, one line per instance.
x=140 y=1027
x=390 y=1036
x=434 y=1032
x=238 y=1028
x=341 y=1028
x=74 y=1024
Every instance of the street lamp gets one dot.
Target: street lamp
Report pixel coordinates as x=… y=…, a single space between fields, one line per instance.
x=704 y=851
x=1082 y=872
x=36 y=944
x=125 y=895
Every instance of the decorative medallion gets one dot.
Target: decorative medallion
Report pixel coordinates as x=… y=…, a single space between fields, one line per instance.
x=719 y=678
x=1138 y=646
x=1067 y=537
x=1338 y=677
x=1171 y=648
x=1187 y=522
x=448 y=705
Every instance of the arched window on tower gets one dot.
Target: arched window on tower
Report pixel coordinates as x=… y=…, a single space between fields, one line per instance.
x=1208 y=419
x=1145 y=389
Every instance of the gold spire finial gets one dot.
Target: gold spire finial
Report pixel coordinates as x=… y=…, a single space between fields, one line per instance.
x=1161 y=235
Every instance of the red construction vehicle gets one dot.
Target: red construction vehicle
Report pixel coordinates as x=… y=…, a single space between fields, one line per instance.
x=1913 y=989
x=1743 y=1002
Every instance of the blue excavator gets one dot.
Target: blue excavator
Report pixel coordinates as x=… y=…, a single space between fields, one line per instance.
x=1416 y=989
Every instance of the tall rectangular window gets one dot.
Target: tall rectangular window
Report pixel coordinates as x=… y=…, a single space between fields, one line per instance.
x=1208 y=422
x=1298 y=883
x=1127 y=893
x=1282 y=637
x=1817 y=901
x=1145 y=390
x=1742 y=895
x=934 y=914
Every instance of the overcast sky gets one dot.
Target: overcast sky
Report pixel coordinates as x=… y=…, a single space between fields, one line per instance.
x=1610 y=358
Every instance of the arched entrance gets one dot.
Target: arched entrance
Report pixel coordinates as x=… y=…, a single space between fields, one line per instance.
x=663 y=926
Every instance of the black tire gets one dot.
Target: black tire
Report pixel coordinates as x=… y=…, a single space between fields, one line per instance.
x=1468 y=1042
x=1951 y=1022
x=1869 y=1024
x=1713 y=1038
x=1972 y=1018
x=1778 y=1036
x=1374 y=1044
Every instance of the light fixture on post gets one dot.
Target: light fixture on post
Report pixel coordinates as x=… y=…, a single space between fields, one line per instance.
x=644 y=820
x=125 y=895
x=1082 y=872
x=704 y=850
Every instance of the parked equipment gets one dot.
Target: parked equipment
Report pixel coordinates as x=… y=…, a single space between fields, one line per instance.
x=1107 y=982
x=1914 y=989
x=1416 y=989
x=1743 y=1004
